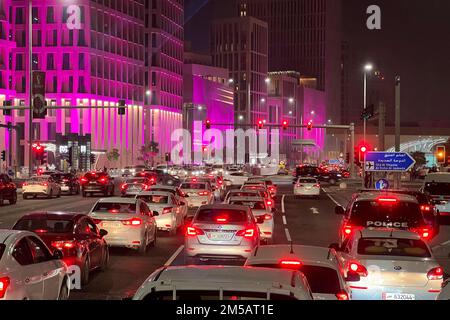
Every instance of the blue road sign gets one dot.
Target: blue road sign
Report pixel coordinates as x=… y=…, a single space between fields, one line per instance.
x=389 y=161
x=382 y=184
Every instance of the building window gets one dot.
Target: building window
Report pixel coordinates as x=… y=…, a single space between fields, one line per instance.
x=35 y=15
x=35 y=60
x=81 y=86
x=50 y=61
x=66 y=61
x=19 y=16
x=50 y=15
x=153 y=79
x=81 y=38
x=81 y=61
x=19 y=62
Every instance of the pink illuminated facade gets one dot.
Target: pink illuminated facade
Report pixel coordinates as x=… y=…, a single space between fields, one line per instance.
x=106 y=58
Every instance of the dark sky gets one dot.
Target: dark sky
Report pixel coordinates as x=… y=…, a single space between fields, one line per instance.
x=414 y=42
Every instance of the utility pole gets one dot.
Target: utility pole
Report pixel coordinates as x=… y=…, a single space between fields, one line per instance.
x=381 y=126
x=397 y=176
x=352 y=139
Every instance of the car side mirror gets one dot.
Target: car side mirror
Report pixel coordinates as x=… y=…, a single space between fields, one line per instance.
x=103 y=233
x=155 y=213
x=339 y=210
x=335 y=246
x=58 y=254
x=182 y=203
x=353 y=277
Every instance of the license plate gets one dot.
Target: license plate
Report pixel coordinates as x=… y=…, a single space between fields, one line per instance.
x=63 y=188
x=111 y=225
x=398 y=296
x=92 y=182
x=219 y=236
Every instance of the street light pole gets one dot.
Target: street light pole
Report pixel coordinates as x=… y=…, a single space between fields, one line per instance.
x=30 y=77
x=367 y=68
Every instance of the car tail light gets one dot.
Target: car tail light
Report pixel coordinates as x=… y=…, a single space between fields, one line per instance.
x=342 y=295
x=83 y=180
x=317 y=186
x=65 y=180
x=132 y=222
x=45 y=184
x=40 y=231
x=220 y=182
x=124 y=186
x=113 y=211
x=222 y=220
x=4 y=284
x=269 y=203
x=102 y=180
x=387 y=200
x=24 y=184
x=271 y=189
x=246 y=233
x=425 y=208
x=358 y=268
x=97 y=221
x=167 y=210
x=268 y=216
x=63 y=244
x=347 y=230
x=290 y=264
x=193 y=231
x=203 y=193
x=435 y=274
x=424 y=233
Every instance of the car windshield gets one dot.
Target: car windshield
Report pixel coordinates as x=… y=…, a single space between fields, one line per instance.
x=259 y=205
x=42 y=225
x=393 y=247
x=211 y=215
x=154 y=198
x=2 y=249
x=308 y=181
x=376 y=213
x=108 y=207
x=194 y=186
x=195 y=295
x=437 y=188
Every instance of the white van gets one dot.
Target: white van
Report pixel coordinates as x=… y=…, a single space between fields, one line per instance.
x=437 y=185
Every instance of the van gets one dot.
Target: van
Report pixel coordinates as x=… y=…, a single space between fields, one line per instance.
x=437 y=185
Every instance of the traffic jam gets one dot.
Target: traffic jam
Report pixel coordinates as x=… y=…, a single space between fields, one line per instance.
x=227 y=220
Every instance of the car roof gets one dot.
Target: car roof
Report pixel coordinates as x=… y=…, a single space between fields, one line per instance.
x=54 y=215
x=174 y=188
x=224 y=206
x=118 y=200
x=387 y=233
x=5 y=234
x=310 y=255
x=370 y=196
x=44 y=176
x=254 y=199
x=158 y=193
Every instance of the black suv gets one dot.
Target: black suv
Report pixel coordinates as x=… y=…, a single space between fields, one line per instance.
x=97 y=182
x=331 y=177
x=8 y=190
x=69 y=182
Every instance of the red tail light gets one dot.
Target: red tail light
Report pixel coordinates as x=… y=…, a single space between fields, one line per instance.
x=65 y=180
x=203 y=193
x=24 y=184
x=425 y=208
x=132 y=222
x=271 y=189
x=268 y=216
x=342 y=296
x=246 y=233
x=221 y=220
x=317 y=186
x=290 y=264
x=167 y=210
x=4 y=284
x=347 y=230
x=424 y=233
x=387 y=200
x=358 y=268
x=63 y=244
x=97 y=221
x=269 y=203
x=220 y=182
x=193 y=231
x=124 y=186
x=45 y=184
x=435 y=274
x=102 y=180
x=83 y=180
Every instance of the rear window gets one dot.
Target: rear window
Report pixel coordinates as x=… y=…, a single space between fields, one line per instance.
x=2 y=249
x=195 y=186
x=259 y=205
x=94 y=175
x=135 y=180
x=437 y=188
x=45 y=225
x=393 y=247
x=165 y=190
x=196 y=295
x=308 y=181
x=400 y=214
x=305 y=171
x=251 y=187
x=106 y=207
x=154 y=199
x=211 y=215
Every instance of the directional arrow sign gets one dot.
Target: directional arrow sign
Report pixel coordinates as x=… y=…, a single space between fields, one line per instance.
x=389 y=161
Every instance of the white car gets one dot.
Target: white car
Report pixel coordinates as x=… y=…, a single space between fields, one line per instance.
x=224 y=283
x=236 y=178
x=29 y=271
x=252 y=194
x=41 y=186
x=271 y=187
x=198 y=193
x=321 y=266
x=392 y=265
x=129 y=222
x=437 y=185
x=307 y=187
x=262 y=213
x=171 y=212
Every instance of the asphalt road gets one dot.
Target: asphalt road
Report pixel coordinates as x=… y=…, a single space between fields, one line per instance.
x=304 y=221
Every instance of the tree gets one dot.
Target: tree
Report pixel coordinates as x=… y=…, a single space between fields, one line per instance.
x=149 y=152
x=113 y=155
x=420 y=158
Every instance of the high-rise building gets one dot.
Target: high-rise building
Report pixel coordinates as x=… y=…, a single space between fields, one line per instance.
x=240 y=45
x=96 y=53
x=304 y=36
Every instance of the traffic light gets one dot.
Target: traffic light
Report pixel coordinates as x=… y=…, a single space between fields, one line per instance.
x=4 y=155
x=205 y=149
x=441 y=155
x=285 y=125
x=362 y=153
x=347 y=157
x=208 y=124
x=167 y=156
x=260 y=124
x=121 y=110
x=368 y=113
x=310 y=125
x=38 y=150
x=7 y=103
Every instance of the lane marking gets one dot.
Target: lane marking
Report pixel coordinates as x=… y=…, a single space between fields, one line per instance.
x=282 y=203
x=314 y=210
x=331 y=197
x=174 y=256
x=284 y=220
x=288 y=235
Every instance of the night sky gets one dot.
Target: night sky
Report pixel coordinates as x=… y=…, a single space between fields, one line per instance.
x=414 y=42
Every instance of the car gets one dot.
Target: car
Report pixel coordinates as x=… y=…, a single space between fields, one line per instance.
x=252 y=194
x=41 y=186
x=171 y=212
x=29 y=270
x=254 y=186
x=69 y=182
x=221 y=232
x=158 y=176
x=237 y=178
x=75 y=234
x=307 y=187
x=132 y=170
x=133 y=186
x=323 y=175
x=175 y=190
x=224 y=283
x=445 y=292
x=97 y=182
x=272 y=188
x=392 y=265
x=216 y=184
x=199 y=193
x=306 y=171
x=128 y=221
x=217 y=169
x=437 y=185
x=321 y=266
x=381 y=210
x=8 y=190
x=262 y=213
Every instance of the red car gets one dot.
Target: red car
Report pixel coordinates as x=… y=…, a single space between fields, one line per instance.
x=75 y=234
x=8 y=190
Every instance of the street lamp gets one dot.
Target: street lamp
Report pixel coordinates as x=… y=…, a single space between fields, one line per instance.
x=230 y=81
x=267 y=80
x=148 y=92
x=291 y=100
x=367 y=68
x=263 y=100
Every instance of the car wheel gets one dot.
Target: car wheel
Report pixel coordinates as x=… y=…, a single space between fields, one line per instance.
x=105 y=260
x=143 y=248
x=153 y=243
x=64 y=291
x=85 y=271
x=13 y=200
x=59 y=194
x=24 y=196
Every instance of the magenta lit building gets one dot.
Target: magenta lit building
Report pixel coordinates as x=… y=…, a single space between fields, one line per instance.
x=105 y=56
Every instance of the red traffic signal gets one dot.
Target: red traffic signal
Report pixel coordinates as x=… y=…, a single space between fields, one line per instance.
x=363 y=149
x=310 y=125
x=37 y=147
x=205 y=149
x=260 y=124
x=285 y=125
x=208 y=124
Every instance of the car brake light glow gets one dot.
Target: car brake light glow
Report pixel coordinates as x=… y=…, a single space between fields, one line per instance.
x=97 y=221
x=113 y=211
x=203 y=193
x=268 y=216
x=124 y=186
x=63 y=244
x=246 y=233
x=167 y=210
x=269 y=203
x=290 y=264
x=193 y=231
x=4 y=284
x=102 y=180
x=45 y=184
x=83 y=180
x=347 y=230
x=425 y=208
x=358 y=268
x=132 y=222
x=387 y=200
x=317 y=186
x=435 y=274
x=40 y=231
x=221 y=220
x=342 y=296
x=424 y=233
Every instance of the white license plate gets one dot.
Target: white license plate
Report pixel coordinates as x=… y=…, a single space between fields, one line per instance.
x=111 y=225
x=398 y=296
x=63 y=188
x=219 y=236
